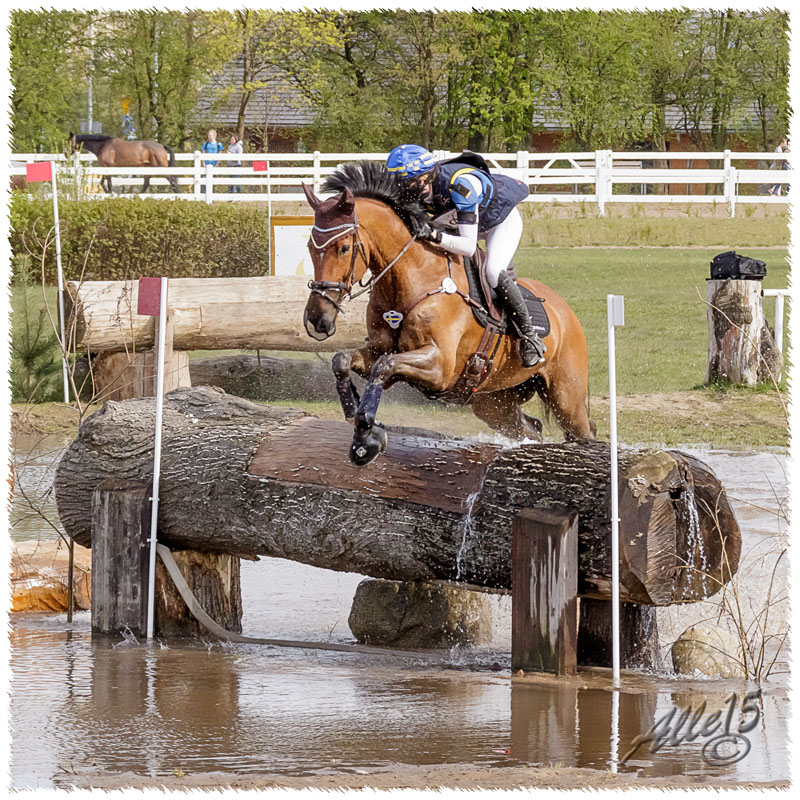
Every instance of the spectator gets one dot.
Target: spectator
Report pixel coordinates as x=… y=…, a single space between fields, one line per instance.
x=211 y=145
x=780 y=164
x=235 y=147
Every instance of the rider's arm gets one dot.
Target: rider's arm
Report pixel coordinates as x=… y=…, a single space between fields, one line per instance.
x=467 y=193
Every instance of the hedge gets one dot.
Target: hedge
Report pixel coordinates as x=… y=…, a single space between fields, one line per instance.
x=126 y=238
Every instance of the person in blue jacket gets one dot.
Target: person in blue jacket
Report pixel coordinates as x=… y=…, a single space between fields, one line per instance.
x=486 y=207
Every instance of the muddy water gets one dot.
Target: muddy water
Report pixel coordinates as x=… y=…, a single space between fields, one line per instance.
x=79 y=706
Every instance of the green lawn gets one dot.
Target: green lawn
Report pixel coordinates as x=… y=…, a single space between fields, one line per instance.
x=663 y=346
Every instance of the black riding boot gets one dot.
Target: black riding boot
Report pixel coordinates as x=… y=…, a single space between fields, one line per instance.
x=531 y=347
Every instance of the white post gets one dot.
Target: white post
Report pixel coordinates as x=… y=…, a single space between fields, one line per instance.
x=614 y=731
x=162 y=335
x=197 y=174
x=616 y=316
x=779 y=321
x=209 y=182
x=269 y=213
x=523 y=164
x=54 y=187
x=731 y=181
x=317 y=174
x=600 y=181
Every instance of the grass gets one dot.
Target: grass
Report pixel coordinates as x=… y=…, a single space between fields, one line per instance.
x=661 y=350
x=663 y=345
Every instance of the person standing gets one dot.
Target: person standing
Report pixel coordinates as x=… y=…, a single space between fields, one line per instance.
x=211 y=145
x=235 y=147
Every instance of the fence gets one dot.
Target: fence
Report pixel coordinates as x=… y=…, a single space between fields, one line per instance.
x=601 y=177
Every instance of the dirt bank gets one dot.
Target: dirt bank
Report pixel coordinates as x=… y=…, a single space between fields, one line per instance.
x=402 y=776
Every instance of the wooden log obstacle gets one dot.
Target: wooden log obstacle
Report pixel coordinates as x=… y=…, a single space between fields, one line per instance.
x=204 y=314
x=246 y=480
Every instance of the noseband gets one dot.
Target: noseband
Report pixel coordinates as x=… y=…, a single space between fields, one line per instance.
x=342 y=287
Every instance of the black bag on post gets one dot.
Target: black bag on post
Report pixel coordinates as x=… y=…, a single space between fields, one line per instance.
x=732 y=265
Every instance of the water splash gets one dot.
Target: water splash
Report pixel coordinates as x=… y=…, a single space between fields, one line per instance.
x=466 y=531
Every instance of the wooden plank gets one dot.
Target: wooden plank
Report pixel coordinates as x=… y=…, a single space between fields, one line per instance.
x=431 y=472
x=120 y=533
x=544 y=592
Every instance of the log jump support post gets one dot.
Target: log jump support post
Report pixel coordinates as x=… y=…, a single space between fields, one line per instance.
x=552 y=628
x=544 y=592
x=120 y=569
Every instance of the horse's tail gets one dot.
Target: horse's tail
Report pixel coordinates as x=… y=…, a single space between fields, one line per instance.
x=173 y=179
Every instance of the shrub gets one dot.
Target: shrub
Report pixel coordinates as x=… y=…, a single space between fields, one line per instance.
x=126 y=238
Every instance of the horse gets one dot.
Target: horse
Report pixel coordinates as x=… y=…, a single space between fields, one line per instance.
x=420 y=324
x=113 y=152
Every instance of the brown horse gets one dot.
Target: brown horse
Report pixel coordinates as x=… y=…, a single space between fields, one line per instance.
x=358 y=231
x=113 y=152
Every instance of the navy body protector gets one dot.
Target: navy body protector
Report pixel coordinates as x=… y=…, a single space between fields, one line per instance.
x=501 y=192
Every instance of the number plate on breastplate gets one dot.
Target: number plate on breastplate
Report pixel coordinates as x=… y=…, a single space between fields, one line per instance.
x=449 y=286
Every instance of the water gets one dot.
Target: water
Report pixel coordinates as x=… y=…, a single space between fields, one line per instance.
x=80 y=706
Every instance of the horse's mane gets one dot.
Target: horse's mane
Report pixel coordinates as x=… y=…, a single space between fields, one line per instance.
x=371 y=179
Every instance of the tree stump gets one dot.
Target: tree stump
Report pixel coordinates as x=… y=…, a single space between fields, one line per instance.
x=741 y=347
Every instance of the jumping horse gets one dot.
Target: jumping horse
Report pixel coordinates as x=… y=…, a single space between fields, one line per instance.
x=420 y=324
x=113 y=152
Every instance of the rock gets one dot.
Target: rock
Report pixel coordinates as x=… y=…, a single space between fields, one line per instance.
x=419 y=614
x=709 y=651
x=39 y=576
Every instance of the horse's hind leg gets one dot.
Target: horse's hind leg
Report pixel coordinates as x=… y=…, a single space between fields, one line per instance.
x=502 y=411
x=567 y=398
x=146 y=184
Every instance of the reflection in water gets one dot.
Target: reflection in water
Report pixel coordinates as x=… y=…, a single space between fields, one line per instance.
x=80 y=704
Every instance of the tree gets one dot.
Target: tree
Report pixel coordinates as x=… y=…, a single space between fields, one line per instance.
x=48 y=62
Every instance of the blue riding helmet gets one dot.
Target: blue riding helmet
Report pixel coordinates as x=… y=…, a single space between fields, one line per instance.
x=410 y=160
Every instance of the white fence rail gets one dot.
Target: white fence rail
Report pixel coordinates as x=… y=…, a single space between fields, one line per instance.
x=601 y=176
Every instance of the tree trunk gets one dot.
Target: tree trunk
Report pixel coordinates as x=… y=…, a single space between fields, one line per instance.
x=741 y=348
x=208 y=314
x=245 y=479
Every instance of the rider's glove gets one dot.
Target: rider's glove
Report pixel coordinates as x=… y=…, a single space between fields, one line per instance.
x=428 y=232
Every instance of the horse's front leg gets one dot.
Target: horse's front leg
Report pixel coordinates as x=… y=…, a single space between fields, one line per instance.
x=424 y=365
x=342 y=365
x=146 y=184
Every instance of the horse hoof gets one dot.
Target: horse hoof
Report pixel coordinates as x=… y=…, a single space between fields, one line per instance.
x=365 y=449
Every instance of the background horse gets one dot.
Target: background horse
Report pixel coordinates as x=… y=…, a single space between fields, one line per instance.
x=361 y=230
x=113 y=152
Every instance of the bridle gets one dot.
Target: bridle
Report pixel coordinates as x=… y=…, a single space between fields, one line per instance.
x=345 y=287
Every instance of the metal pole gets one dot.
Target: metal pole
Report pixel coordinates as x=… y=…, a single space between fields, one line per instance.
x=162 y=335
x=269 y=215
x=54 y=167
x=615 y=308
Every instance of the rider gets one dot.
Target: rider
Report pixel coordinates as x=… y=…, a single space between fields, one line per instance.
x=485 y=206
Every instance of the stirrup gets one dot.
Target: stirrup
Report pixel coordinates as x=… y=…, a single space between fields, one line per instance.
x=531 y=349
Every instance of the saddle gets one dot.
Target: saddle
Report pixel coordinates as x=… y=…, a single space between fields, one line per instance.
x=489 y=314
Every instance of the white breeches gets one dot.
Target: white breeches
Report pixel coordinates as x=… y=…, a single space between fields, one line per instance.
x=501 y=244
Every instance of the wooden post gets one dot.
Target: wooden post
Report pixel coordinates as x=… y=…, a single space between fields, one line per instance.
x=120 y=564
x=544 y=592
x=120 y=530
x=741 y=348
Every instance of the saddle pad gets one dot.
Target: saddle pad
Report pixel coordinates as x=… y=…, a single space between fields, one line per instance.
x=535 y=304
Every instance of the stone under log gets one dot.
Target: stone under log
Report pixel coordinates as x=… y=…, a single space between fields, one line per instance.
x=251 y=480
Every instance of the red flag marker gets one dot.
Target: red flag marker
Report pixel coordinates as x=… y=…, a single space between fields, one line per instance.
x=39 y=171
x=149 y=304
x=259 y=166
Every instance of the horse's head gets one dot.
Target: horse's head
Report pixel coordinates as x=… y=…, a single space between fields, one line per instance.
x=339 y=259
